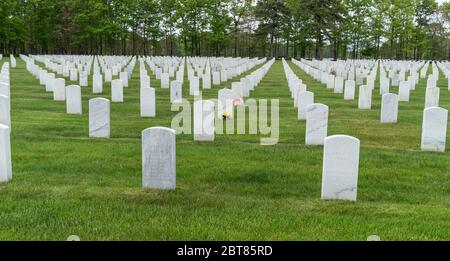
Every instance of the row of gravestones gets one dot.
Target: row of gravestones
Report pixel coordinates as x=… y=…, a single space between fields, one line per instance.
x=72 y=93
x=99 y=110
x=315 y=114
x=356 y=70
x=5 y=125
x=80 y=69
x=434 y=125
x=339 y=174
x=147 y=93
x=204 y=110
x=158 y=160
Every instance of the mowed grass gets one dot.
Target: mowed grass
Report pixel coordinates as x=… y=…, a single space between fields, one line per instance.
x=232 y=189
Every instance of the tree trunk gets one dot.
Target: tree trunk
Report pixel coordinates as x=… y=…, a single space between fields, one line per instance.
x=318 y=51
x=235 y=39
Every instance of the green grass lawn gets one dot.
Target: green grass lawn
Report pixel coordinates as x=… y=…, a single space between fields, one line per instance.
x=232 y=189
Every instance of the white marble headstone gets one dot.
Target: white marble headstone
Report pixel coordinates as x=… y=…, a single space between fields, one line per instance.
x=99 y=118
x=176 y=91
x=330 y=81
x=216 y=77
x=194 y=87
x=223 y=76
x=97 y=83
x=226 y=97
x=431 y=82
x=384 y=85
x=340 y=168
x=108 y=75
x=5 y=110
x=73 y=99
x=238 y=88
x=5 y=154
x=159 y=158
x=49 y=83
x=206 y=81
x=148 y=102
x=304 y=99
x=339 y=84
x=434 y=129
x=365 y=97
x=403 y=91
x=316 y=124
x=145 y=81
x=349 y=92
x=73 y=74
x=123 y=76
x=4 y=89
x=246 y=86
x=59 y=89
x=432 y=97
x=83 y=79
x=389 y=108
x=165 y=80
x=116 y=90
x=395 y=79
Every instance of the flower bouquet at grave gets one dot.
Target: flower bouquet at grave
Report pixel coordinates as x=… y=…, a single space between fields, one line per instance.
x=238 y=102
x=226 y=115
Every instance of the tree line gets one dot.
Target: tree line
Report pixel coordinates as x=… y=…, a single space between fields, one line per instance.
x=339 y=29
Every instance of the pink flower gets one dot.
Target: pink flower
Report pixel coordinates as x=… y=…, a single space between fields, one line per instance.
x=238 y=102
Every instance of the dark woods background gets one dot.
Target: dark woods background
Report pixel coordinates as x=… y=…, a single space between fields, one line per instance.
x=394 y=29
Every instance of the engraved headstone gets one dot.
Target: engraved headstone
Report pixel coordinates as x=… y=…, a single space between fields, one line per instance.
x=73 y=74
x=83 y=79
x=116 y=90
x=349 y=92
x=434 y=129
x=403 y=91
x=432 y=97
x=316 y=124
x=330 y=81
x=165 y=80
x=59 y=89
x=176 y=93
x=97 y=84
x=365 y=97
x=49 y=82
x=73 y=99
x=389 y=108
x=159 y=158
x=148 y=102
x=123 y=76
x=339 y=84
x=384 y=85
x=194 y=88
x=108 y=75
x=304 y=99
x=99 y=118
x=340 y=168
